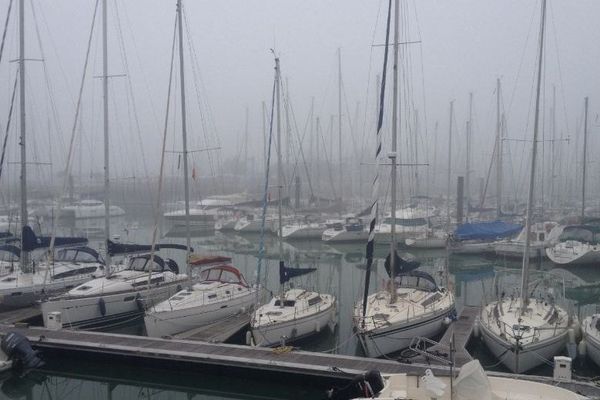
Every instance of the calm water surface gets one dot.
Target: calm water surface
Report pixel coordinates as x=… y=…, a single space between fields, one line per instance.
x=340 y=271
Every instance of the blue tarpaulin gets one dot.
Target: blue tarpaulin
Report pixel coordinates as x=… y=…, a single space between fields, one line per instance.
x=486 y=230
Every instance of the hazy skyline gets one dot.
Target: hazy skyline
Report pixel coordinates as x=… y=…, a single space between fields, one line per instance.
x=464 y=47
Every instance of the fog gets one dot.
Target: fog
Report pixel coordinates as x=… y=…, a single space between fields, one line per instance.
x=449 y=50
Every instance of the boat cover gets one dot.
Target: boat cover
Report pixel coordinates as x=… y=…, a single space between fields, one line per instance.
x=286 y=273
x=122 y=248
x=486 y=230
x=31 y=241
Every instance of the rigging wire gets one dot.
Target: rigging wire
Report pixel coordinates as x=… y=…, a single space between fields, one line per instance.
x=73 y=132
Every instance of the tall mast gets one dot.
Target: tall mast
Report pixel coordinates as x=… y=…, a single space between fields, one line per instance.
x=585 y=134
x=106 y=139
x=24 y=213
x=449 y=177
x=340 y=122
x=280 y=182
x=186 y=185
x=393 y=155
x=553 y=155
x=498 y=153
x=468 y=160
x=525 y=278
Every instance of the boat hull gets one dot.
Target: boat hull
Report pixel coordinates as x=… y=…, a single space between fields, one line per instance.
x=107 y=309
x=566 y=255
x=379 y=342
x=271 y=335
x=531 y=355
x=160 y=324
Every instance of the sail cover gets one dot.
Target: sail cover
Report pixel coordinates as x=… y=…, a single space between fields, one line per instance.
x=32 y=242
x=400 y=265
x=286 y=273
x=486 y=230
x=121 y=248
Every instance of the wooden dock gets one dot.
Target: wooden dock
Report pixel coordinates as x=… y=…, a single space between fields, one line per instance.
x=233 y=359
x=459 y=331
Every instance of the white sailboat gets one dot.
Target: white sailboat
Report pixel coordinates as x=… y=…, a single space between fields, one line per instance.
x=590 y=343
x=412 y=304
x=85 y=209
x=39 y=278
x=294 y=313
x=222 y=291
x=527 y=327
x=544 y=234
x=116 y=297
x=353 y=230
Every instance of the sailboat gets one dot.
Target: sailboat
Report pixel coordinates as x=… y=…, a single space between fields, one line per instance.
x=412 y=304
x=294 y=313
x=36 y=277
x=117 y=296
x=528 y=326
x=222 y=291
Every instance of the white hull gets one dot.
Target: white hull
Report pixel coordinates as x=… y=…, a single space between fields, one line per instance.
x=344 y=236
x=271 y=335
x=517 y=249
x=426 y=243
x=565 y=253
x=304 y=233
x=394 y=338
x=531 y=355
x=160 y=324
x=86 y=312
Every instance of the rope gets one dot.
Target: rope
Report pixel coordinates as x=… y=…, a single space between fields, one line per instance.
x=73 y=131
x=283 y=349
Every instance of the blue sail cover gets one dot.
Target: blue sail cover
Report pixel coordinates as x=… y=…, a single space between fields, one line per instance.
x=286 y=273
x=125 y=248
x=31 y=241
x=486 y=230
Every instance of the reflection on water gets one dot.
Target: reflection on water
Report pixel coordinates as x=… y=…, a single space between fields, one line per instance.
x=74 y=379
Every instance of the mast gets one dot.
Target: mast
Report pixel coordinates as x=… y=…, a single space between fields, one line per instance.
x=468 y=160
x=393 y=155
x=525 y=278
x=24 y=213
x=585 y=134
x=106 y=138
x=553 y=155
x=498 y=153
x=280 y=182
x=184 y=137
x=449 y=177
x=340 y=122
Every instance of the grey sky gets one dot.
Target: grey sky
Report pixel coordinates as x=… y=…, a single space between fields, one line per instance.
x=465 y=46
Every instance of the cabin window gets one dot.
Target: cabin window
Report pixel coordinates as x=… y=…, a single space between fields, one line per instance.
x=228 y=276
x=212 y=296
x=74 y=272
x=542 y=237
x=129 y=298
x=9 y=279
x=314 y=300
x=214 y=274
x=157 y=279
x=84 y=288
x=286 y=303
